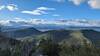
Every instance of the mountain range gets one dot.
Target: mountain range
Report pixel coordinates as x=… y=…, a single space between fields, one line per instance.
x=60 y=35
x=25 y=38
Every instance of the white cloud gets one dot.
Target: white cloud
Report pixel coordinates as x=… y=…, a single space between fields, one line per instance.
x=2 y=7
x=35 y=12
x=12 y=7
x=45 y=8
x=77 y=2
x=94 y=4
x=56 y=15
x=59 y=0
x=39 y=11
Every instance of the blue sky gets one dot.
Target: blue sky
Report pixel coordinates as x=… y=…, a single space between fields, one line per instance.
x=50 y=9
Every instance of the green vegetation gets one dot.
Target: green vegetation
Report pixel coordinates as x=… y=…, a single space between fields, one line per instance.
x=49 y=48
x=85 y=50
x=52 y=43
x=5 y=52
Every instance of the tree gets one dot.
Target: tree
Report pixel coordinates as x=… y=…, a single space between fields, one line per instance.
x=5 y=52
x=49 y=48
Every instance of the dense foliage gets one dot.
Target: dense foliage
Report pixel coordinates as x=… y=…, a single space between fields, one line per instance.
x=49 y=48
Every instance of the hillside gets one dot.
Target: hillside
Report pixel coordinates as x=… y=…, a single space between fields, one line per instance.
x=21 y=33
x=92 y=35
x=29 y=41
x=72 y=36
x=6 y=42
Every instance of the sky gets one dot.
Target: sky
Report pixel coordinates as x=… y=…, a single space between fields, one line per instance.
x=49 y=9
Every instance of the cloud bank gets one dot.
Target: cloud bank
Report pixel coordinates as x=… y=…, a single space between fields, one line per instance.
x=60 y=22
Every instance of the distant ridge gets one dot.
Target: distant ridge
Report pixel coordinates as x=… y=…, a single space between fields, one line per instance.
x=20 y=33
